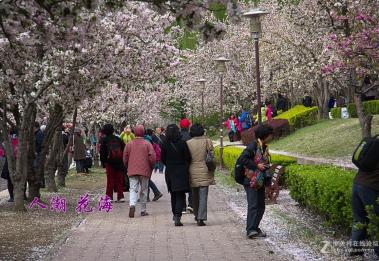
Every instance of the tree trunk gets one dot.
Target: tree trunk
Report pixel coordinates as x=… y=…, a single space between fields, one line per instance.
x=19 y=176
x=95 y=152
x=322 y=94
x=55 y=121
x=62 y=166
x=51 y=165
x=365 y=121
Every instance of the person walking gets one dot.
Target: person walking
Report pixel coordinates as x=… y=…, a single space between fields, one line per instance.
x=159 y=138
x=233 y=126
x=256 y=159
x=200 y=176
x=111 y=157
x=79 y=151
x=185 y=136
x=5 y=170
x=127 y=135
x=269 y=111
x=157 y=150
x=139 y=158
x=176 y=157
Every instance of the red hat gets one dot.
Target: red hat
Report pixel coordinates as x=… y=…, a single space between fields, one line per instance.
x=184 y=123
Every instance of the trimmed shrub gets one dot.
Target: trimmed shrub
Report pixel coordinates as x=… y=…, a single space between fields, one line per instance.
x=231 y=155
x=369 y=107
x=300 y=116
x=336 y=113
x=324 y=189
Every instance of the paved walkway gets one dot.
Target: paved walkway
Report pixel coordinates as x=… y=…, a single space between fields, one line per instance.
x=114 y=236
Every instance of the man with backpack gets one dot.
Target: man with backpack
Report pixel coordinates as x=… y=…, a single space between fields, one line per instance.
x=111 y=152
x=365 y=191
x=245 y=120
x=251 y=171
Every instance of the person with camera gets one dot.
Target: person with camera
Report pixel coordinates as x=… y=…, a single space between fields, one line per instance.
x=256 y=161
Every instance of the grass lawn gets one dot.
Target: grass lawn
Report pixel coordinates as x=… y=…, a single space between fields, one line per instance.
x=331 y=139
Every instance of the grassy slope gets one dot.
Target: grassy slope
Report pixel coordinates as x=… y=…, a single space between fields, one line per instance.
x=328 y=139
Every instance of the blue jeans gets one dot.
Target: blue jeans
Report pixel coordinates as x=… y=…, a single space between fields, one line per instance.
x=362 y=197
x=154 y=188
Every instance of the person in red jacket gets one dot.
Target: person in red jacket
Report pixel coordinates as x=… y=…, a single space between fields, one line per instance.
x=111 y=157
x=139 y=157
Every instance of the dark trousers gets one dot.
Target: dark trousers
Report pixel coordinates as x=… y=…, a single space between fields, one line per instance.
x=10 y=188
x=79 y=166
x=255 y=208
x=177 y=199
x=154 y=188
x=115 y=179
x=200 y=202
x=362 y=197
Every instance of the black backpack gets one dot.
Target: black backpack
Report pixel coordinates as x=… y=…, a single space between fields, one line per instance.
x=239 y=172
x=366 y=155
x=114 y=151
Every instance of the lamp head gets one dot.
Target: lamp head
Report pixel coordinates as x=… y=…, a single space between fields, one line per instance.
x=221 y=64
x=255 y=22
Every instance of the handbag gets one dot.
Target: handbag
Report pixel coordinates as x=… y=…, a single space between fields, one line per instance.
x=209 y=158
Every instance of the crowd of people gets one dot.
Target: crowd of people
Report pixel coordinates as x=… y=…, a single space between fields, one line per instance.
x=177 y=151
x=180 y=153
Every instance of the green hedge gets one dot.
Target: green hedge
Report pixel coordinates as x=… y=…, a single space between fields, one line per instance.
x=231 y=155
x=336 y=113
x=325 y=189
x=300 y=116
x=369 y=107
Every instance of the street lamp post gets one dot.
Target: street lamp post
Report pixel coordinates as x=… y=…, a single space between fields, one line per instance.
x=255 y=28
x=221 y=69
x=202 y=81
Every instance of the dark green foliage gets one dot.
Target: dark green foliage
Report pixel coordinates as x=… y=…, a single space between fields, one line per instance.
x=336 y=113
x=324 y=189
x=369 y=107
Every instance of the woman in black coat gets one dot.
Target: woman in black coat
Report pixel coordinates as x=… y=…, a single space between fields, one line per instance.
x=176 y=157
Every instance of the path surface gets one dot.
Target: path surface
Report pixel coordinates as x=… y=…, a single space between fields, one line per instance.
x=114 y=236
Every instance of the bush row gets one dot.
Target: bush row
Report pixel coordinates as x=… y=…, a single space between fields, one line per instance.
x=300 y=116
x=369 y=107
x=324 y=189
x=231 y=154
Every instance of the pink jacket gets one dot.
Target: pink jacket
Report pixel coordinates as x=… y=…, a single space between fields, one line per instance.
x=139 y=157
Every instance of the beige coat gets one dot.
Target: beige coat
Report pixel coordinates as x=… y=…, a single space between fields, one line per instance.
x=199 y=174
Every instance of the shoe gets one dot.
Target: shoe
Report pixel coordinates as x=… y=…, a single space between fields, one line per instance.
x=148 y=200
x=122 y=200
x=132 y=209
x=184 y=212
x=177 y=221
x=190 y=210
x=201 y=223
x=156 y=197
x=11 y=200
x=138 y=200
x=261 y=233
x=111 y=200
x=144 y=213
x=252 y=234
